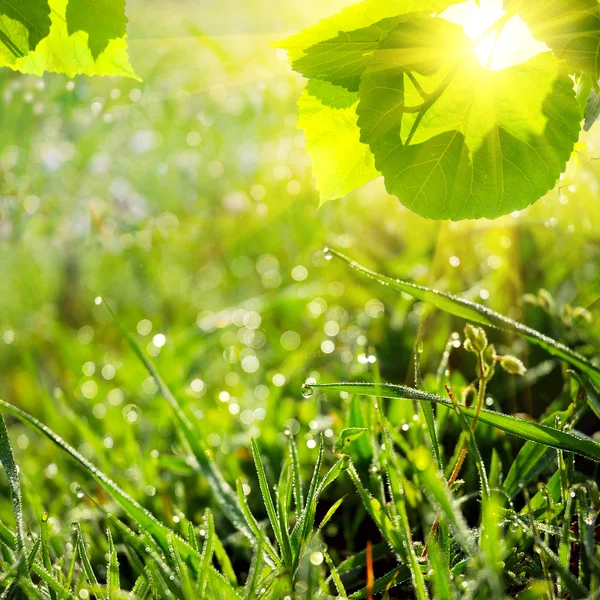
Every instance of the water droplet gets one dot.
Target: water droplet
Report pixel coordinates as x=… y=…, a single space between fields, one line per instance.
x=307 y=390
x=44 y=517
x=98 y=300
x=74 y=525
x=327 y=253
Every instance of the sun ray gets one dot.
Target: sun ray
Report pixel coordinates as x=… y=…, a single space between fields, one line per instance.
x=512 y=45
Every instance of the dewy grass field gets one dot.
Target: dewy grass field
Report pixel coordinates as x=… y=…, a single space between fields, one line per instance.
x=213 y=388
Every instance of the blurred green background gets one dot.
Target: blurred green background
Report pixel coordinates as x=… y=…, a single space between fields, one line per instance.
x=186 y=200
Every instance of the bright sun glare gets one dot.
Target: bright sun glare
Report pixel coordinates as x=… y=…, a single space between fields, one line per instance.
x=515 y=44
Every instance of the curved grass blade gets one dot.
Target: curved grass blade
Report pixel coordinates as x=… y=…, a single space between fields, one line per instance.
x=7 y=458
x=134 y=510
x=7 y=537
x=478 y=314
x=542 y=434
x=330 y=513
x=262 y=540
x=55 y=585
x=224 y=562
x=190 y=438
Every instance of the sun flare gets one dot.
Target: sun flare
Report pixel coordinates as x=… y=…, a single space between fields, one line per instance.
x=512 y=46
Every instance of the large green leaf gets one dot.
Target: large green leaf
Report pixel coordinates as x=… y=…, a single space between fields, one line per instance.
x=102 y=20
x=340 y=162
x=452 y=149
x=23 y=24
x=342 y=59
x=542 y=434
x=479 y=314
x=358 y=16
x=87 y=39
x=569 y=27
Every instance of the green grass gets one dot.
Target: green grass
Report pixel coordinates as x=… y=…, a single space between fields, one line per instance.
x=459 y=552
x=197 y=467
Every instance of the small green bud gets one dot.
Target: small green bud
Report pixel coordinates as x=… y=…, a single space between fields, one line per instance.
x=476 y=340
x=513 y=365
x=490 y=354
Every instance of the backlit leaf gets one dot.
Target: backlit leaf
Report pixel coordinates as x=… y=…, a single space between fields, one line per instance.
x=569 y=27
x=23 y=24
x=340 y=162
x=454 y=150
x=102 y=20
x=83 y=46
x=358 y=16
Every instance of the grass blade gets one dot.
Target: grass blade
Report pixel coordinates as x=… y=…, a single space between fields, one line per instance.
x=426 y=407
x=256 y=568
x=85 y=560
x=331 y=512
x=385 y=582
x=478 y=313
x=224 y=562
x=336 y=577
x=113 y=580
x=527 y=430
x=207 y=553
x=439 y=493
x=295 y=466
x=305 y=523
x=379 y=516
x=190 y=438
x=257 y=531
x=46 y=550
x=268 y=501
x=7 y=458
x=134 y=510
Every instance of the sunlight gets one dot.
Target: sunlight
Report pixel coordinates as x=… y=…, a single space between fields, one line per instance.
x=515 y=44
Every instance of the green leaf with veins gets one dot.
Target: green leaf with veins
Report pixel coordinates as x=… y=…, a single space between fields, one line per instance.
x=33 y=16
x=340 y=162
x=571 y=28
x=342 y=59
x=357 y=17
x=68 y=52
x=456 y=141
x=102 y=20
